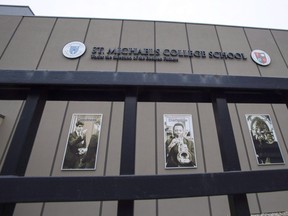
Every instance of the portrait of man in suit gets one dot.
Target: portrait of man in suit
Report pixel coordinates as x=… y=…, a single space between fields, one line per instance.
x=179 y=141
x=82 y=142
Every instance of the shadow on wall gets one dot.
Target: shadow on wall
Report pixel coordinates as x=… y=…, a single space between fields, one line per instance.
x=272 y=214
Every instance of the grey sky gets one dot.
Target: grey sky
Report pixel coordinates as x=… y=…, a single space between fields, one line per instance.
x=250 y=13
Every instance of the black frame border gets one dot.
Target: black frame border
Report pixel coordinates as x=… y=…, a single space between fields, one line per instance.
x=36 y=87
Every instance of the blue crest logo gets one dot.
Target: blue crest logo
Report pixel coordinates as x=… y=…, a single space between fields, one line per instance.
x=74 y=49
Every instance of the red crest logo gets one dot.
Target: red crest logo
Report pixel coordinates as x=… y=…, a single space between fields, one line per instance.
x=260 y=57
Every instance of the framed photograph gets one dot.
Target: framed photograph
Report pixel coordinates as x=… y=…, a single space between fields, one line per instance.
x=179 y=144
x=82 y=142
x=264 y=140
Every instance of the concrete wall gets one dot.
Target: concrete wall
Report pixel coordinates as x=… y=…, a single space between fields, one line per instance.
x=36 y=43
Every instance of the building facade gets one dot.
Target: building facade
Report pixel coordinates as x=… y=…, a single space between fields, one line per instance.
x=147 y=50
x=16 y=10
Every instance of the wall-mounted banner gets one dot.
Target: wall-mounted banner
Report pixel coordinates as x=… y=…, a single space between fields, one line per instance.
x=260 y=57
x=165 y=55
x=76 y=49
x=179 y=144
x=82 y=142
x=264 y=139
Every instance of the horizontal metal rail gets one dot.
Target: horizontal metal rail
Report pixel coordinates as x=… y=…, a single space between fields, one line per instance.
x=87 y=78
x=129 y=187
x=111 y=86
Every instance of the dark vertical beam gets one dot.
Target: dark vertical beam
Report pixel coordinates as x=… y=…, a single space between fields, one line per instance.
x=17 y=157
x=127 y=165
x=226 y=138
x=286 y=98
x=126 y=208
x=238 y=203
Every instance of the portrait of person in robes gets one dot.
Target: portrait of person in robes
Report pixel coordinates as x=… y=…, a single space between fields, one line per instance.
x=264 y=139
